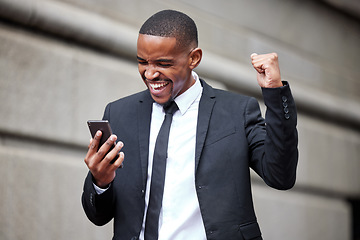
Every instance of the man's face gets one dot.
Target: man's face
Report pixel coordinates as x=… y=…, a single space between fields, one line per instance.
x=164 y=67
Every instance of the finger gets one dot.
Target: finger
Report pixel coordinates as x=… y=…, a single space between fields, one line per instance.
x=259 y=67
x=104 y=149
x=265 y=62
x=113 y=156
x=268 y=59
x=258 y=62
x=90 y=141
x=264 y=57
x=119 y=162
x=93 y=146
x=87 y=154
x=94 y=143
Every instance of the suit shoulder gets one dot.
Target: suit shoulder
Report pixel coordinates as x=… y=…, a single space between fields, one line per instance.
x=233 y=98
x=227 y=93
x=125 y=106
x=225 y=98
x=136 y=97
x=220 y=93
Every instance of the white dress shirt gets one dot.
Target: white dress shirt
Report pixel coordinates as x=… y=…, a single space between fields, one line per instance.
x=180 y=215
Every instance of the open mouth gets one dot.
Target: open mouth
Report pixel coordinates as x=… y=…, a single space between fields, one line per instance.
x=156 y=86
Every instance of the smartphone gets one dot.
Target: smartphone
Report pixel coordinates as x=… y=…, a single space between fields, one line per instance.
x=104 y=127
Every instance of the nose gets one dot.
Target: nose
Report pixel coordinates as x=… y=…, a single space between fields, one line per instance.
x=151 y=73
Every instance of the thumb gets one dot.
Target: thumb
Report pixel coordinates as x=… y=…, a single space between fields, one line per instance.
x=253 y=55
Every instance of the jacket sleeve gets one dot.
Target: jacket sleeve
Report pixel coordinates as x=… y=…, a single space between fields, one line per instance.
x=98 y=207
x=273 y=143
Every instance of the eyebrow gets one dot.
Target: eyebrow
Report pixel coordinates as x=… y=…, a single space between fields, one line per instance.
x=139 y=58
x=158 y=60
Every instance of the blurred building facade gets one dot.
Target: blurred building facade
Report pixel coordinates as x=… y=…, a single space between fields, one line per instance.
x=61 y=61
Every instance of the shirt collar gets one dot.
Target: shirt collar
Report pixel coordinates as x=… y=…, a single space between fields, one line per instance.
x=187 y=98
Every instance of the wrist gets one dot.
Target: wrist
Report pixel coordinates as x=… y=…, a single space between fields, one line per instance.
x=99 y=190
x=102 y=185
x=276 y=84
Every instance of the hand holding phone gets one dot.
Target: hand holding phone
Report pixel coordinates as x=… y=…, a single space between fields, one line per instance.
x=103 y=164
x=104 y=127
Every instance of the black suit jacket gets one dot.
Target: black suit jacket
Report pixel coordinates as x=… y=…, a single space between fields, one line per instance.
x=232 y=137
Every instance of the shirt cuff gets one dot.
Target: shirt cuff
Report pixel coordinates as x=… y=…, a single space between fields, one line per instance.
x=99 y=190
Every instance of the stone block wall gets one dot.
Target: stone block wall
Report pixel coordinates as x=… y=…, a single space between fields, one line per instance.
x=61 y=61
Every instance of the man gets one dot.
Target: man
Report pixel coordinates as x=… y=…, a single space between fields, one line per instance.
x=215 y=138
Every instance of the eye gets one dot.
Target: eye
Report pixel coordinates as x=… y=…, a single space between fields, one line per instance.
x=165 y=65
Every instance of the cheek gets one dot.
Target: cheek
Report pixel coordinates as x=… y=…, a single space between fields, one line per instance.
x=178 y=86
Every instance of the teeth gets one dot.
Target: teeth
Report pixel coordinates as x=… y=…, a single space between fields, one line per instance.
x=155 y=86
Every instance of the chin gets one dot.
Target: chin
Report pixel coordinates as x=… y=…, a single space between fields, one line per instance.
x=161 y=101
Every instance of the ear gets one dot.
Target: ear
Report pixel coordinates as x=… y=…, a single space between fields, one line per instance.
x=195 y=58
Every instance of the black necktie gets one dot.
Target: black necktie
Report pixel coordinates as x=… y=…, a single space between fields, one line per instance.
x=158 y=174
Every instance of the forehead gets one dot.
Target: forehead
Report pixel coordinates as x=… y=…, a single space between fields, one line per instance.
x=149 y=45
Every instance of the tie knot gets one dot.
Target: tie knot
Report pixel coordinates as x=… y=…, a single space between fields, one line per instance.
x=171 y=108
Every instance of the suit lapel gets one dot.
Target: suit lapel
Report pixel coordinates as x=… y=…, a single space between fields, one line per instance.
x=206 y=105
x=144 y=119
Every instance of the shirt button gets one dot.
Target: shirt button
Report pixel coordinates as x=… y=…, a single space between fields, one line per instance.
x=287 y=116
x=284 y=98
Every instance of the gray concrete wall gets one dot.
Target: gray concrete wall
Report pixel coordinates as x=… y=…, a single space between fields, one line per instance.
x=62 y=61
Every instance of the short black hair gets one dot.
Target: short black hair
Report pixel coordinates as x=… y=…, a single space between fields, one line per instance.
x=171 y=23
